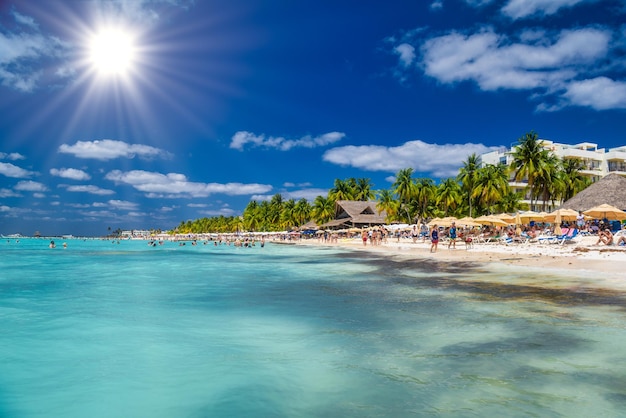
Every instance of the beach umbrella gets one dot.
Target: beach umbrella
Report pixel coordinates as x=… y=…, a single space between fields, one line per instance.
x=557 y=224
x=467 y=221
x=490 y=220
x=447 y=221
x=518 y=224
x=509 y=219
x=530 y=215
x=565 y=215
x=434 y=221
x=606 y=211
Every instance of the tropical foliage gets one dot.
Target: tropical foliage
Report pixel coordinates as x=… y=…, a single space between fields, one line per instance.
x=478 y=189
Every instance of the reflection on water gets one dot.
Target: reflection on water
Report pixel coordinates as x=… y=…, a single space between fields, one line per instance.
x=127 y=330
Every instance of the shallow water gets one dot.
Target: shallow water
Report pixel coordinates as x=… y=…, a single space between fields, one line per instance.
x=102 y=329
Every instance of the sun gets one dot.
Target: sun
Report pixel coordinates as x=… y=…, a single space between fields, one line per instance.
x=112 y=52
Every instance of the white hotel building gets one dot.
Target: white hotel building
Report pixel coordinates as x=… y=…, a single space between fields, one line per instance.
x=597 y=162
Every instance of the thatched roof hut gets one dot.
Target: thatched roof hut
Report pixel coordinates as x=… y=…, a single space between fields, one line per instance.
x=354 y=213
x=610 y=189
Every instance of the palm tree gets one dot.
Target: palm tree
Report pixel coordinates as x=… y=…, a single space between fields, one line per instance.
x=302 y=211
x=528 y=158
x=548 y=182
x=388 y=203
x=491 y=186
x=265 y=216
x=424 y=197
x=468 y=176
x=287 y=215
x=573 y=180
x=252 y=216
x=363 y=189
x=405 y=189
x=323 y=209
x=276 y=205
x=448 y=195
x=341 y=190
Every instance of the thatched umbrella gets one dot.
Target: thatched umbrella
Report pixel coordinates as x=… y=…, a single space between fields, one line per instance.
x=610 y=189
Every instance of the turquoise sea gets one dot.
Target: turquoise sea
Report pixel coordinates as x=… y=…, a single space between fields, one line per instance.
x=102 y=329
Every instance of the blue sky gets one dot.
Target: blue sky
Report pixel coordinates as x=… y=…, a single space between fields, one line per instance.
x=220 y=102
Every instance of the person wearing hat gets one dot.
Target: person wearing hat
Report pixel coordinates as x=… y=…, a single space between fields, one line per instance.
x=452 y=236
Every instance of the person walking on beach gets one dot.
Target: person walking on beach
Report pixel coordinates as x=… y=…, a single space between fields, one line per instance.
x=434 y=239
x=452 y=236
x=580 y=220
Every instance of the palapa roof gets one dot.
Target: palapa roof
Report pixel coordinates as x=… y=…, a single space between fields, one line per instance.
x=610 y=189
x=354 y=212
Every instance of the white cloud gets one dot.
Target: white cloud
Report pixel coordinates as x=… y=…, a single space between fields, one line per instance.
x=22 y=51
x=8 y=193
x=494 y=62
x=555 y=66
x=30 y=186
x=241 y=138
x=144 y=12
x=108 y=149
x=88 y=189
x=24 y=20
x=13 y=171
x=225 y=211
x=600 y=93
x=308 y=194
x=436 y=5
x=291 y=184
x=177 y=185
x=478 y=3
x=123 y=205
x=406 y=53
x=70 y=173
x=438 y=160
x=517 y=9
x=11 y=156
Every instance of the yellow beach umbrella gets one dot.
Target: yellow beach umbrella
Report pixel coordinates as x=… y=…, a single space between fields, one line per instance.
x=557 y=224
x=606 y=211
x=509 y=219
x=467 y=221
x=490 y=220
x=518 y=224
x=568 y=215
x=531 y=216
x=434 y=221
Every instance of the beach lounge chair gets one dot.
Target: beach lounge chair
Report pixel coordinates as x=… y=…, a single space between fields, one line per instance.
x=571 y=235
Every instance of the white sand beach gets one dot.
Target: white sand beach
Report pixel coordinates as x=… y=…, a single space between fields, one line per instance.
x=606 y=265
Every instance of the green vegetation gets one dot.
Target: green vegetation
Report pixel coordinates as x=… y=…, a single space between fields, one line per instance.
x=476 y=190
